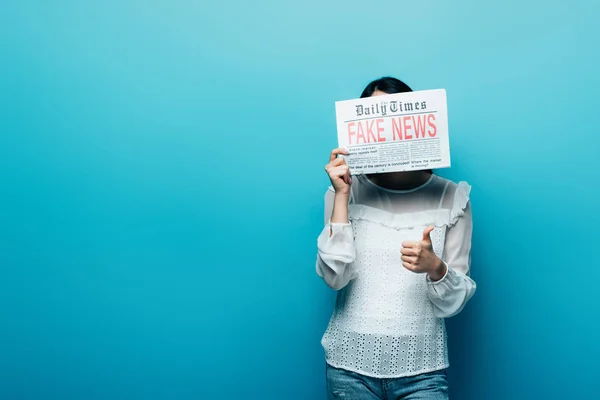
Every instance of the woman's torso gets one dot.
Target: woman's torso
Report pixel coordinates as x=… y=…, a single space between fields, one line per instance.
x=383 y=324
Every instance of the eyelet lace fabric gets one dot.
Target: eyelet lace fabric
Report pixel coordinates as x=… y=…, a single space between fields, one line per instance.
x=384 y=324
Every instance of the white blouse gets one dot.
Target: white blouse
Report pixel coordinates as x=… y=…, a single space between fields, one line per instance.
x=388 y=321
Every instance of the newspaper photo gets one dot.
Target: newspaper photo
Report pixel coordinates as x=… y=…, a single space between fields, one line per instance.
x=395 y=132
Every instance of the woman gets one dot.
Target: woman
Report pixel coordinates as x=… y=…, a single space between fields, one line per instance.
x=396 y=247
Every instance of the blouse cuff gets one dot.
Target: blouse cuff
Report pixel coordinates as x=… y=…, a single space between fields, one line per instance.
x=450 y=280
x=338 y=223
x=336 y=243
x=338 y=231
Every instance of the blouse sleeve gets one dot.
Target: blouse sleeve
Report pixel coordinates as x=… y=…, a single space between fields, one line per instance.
x=450 y=294
x=336 y=250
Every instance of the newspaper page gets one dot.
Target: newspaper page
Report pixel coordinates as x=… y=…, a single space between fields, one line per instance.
x=395 y=132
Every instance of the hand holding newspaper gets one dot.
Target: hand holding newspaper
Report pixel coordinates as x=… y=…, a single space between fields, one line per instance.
x=395 y=132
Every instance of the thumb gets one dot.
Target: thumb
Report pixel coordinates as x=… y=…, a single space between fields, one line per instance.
x=426 y=233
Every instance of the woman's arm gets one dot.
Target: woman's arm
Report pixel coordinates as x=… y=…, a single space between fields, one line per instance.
x=450 y=293
x=335 y=244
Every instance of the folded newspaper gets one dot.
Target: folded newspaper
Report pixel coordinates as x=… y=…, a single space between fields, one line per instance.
x=395 y=132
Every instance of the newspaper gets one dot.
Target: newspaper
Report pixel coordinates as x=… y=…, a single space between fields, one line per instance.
x=395 y=132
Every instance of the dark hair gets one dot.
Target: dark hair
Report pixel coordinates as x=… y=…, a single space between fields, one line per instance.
x=388 y=85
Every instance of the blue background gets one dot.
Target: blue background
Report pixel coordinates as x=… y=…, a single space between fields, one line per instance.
x=162 y=187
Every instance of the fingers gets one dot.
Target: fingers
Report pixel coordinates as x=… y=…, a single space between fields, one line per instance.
x=409 y=259
x=337 y=167
x=409 y=251
x=410 y=244
x=336 y=152
x=347 y=177
x=336 y=163
x=339 y=172
x=409 y=266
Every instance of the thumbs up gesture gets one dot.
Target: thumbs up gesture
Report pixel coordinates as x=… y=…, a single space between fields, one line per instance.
x=419 y=257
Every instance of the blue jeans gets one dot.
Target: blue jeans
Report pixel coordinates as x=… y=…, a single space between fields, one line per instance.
x=342 y=384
